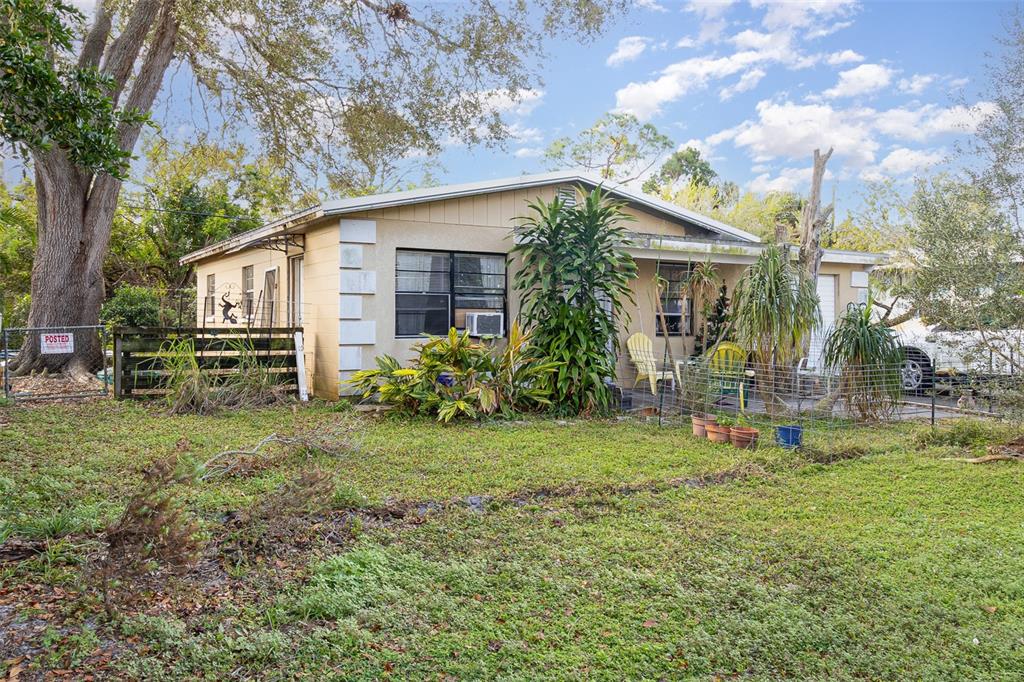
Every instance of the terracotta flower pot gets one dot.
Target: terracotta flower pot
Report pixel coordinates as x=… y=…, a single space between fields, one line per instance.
x=700 y=421
x=718 y=433
x=744 y=437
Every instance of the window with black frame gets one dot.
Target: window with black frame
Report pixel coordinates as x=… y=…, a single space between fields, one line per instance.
x=675 y=304
x=434 y=290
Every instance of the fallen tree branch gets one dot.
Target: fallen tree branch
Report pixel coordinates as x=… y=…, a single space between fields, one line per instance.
x=328 y=440
x=1008 y=456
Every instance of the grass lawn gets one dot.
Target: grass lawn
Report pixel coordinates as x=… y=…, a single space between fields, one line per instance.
x=528 y=550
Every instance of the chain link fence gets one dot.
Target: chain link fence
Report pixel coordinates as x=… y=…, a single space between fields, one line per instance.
x=61 y=343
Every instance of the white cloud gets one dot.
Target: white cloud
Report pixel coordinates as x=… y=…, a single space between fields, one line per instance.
x=827 y=29
x=645 y=99
x=686 y=42
x=787 y=130
x=747 y=81
x=628 y=49
x=930 y=120
x=651 y=5
x=519 y=103
x=860 y=80
x=712 y=18
x=517 y=132
x=709 y=9
x=753 y=40
x=788 y=180
x=901 y=161
x=793 y=131
x=844 y=57
x=959 y=82
x=529 y=152
x=780 y=14
x=702 y=146
x=916 y=84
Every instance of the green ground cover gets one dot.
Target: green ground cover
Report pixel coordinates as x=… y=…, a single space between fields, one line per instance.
x=586 y=550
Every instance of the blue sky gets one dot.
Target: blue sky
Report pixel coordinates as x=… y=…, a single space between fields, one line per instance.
x=757 y=85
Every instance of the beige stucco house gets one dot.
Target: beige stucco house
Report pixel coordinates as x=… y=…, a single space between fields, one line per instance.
x=369 y=275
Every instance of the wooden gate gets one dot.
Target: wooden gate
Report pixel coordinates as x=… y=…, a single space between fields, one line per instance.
x=141 y=355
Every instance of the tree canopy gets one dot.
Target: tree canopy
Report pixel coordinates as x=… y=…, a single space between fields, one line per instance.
x=617 y=147
x=685 y=164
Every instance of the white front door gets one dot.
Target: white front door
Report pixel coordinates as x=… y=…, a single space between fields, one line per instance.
x=827 y=306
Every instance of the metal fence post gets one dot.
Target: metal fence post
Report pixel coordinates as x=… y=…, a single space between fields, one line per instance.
x=7 y=359
x=106 y=374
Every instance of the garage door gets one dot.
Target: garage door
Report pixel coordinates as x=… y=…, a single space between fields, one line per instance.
x=827 y=306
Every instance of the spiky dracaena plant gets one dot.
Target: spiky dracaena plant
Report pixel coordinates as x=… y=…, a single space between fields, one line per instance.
x=867 y=356
x=573 y=284
x=774 y=311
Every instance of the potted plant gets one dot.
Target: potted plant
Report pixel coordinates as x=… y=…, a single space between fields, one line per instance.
x=700 y=421
x=718 y=431
x=744 y=436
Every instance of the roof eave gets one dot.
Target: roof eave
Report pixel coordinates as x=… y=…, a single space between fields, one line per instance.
x=245 y=239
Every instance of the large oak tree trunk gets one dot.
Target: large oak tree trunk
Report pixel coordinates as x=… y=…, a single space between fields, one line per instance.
x=67 y=288
x=76 y=207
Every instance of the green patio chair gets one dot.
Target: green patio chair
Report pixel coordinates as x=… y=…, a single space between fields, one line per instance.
x=727 y=370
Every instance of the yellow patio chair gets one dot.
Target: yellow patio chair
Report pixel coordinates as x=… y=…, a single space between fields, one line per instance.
x=641 y=352
x=727 y=365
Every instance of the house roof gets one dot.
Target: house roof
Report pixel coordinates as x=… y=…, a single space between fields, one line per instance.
x=392 y=199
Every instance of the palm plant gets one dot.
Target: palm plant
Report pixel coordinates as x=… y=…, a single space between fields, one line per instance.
x=775 y=310
x=702 y=283
x=867 y=356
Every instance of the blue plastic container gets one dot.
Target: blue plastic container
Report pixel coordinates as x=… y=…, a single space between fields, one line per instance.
x=789 y=436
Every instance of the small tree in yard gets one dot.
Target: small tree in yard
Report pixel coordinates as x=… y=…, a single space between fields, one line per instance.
x=573 y=283
x=867 y=356
x=775 y=311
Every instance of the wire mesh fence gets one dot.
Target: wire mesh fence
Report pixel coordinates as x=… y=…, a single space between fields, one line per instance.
x=795 y=393
x=58 y=343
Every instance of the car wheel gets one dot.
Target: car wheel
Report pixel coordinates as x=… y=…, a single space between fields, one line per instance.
x=917 y=374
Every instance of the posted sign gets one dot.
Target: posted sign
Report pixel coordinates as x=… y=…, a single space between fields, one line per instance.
x=57 y=344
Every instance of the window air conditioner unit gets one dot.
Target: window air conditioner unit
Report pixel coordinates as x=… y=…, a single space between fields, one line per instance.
x=485 y=324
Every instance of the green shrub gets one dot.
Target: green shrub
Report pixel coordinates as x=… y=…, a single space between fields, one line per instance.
x=963 y=433
x=132 y=306
x=456 y=376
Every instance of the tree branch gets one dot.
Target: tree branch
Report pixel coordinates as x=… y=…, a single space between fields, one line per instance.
x=125 y=49
x=96 y=40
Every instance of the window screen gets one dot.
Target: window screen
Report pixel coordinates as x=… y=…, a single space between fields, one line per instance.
x=676 y=305
x=422 y=293
x=210 y=306
x=247 y=290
